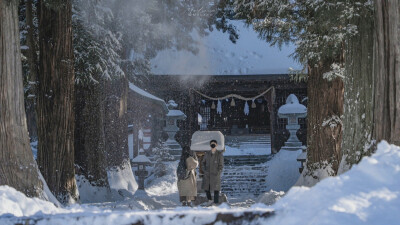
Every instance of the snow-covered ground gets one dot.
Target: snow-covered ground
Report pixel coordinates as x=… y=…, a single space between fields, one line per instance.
x=161 y=193
x=283 y=170
x=367 y=194
x=219 y=56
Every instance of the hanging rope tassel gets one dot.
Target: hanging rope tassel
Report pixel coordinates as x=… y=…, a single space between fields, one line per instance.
x=233 y=102
x=213 y=105
x=253 y=105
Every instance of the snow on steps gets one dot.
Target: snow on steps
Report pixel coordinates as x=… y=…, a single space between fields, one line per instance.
x=246 y=145
x=239 y=180
x=245 y=171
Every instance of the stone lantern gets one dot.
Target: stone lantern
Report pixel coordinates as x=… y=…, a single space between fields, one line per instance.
x=292 y=110
x=141 y=161
x=172 y=128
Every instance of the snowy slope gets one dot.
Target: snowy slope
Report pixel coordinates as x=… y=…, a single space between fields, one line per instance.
x=218 y=56
x=367 y=194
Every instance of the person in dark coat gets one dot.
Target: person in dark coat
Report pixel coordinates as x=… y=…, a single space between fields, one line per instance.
x=212 y=164
x=188 y=187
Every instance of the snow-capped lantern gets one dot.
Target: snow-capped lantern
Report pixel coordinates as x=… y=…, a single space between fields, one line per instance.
x=292 y=111
x=141 y=161
x=172 y=128
x=172 y=117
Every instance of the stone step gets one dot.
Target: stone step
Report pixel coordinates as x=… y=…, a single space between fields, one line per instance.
x=238 y=179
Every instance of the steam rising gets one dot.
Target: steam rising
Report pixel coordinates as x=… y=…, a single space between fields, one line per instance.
x=143 y=28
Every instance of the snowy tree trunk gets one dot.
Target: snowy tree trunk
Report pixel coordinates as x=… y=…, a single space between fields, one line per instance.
x=116 y=123
x=18 y=168
x=387 y=71
x=55 y=100
x=324 y=130
x=358 y=93
x=89 y=133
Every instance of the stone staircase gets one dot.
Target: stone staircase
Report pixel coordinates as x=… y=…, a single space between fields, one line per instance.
x=246 y=173
x=240 y=180
x=263 y=140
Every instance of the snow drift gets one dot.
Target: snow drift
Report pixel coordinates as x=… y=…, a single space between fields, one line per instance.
x=16 y=204
x=122 y=185
x=367 y=194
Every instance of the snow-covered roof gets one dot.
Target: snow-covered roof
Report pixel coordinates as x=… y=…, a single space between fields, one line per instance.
x=201 y=140
x=141 y=159
x=219 y=56
x=302 y=156
x=146 y=94
x=176 y=113
x=292 y=106
x=172 y=104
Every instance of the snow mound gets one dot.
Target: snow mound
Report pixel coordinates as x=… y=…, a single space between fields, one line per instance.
x=367 y=194
x=283 y=170
x=270 y=197
x=165 y=185
x=15 y=203
x=89 y=193
x=122 y=178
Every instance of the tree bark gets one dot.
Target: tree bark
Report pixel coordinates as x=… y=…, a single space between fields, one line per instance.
x=116 y=123
x=324 y=130
x=90 y=155
x=56 y=100
x=358 y=93
x=33 y=71
x=18 y=169
x=387 y=71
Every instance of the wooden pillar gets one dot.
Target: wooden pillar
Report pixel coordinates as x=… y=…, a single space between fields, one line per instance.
x=135 y=138
x=270 y=98
x=191 y=115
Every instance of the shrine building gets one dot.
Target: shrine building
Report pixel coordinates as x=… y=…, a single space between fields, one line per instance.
x=252 y=109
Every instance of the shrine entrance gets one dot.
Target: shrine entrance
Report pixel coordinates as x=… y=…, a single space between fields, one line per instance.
x=234 y=114
x=249 y=114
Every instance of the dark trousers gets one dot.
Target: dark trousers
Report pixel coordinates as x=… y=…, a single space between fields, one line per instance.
x=216 y=196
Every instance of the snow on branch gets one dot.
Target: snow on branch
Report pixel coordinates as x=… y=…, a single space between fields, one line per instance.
x=332 y=121
x=337 y=70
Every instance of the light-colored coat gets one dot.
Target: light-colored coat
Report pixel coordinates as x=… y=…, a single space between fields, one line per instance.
x=212 y=167
x=188 y=187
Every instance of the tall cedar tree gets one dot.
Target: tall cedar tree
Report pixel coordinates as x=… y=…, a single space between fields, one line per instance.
x=319 y=35
x=358 y=87
x=387 y=71
x=104 y=63
x=55 y=100
x=364 y=56
x=31 y=76
x=96 y=63
x=18 y=169
x=372 y=80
